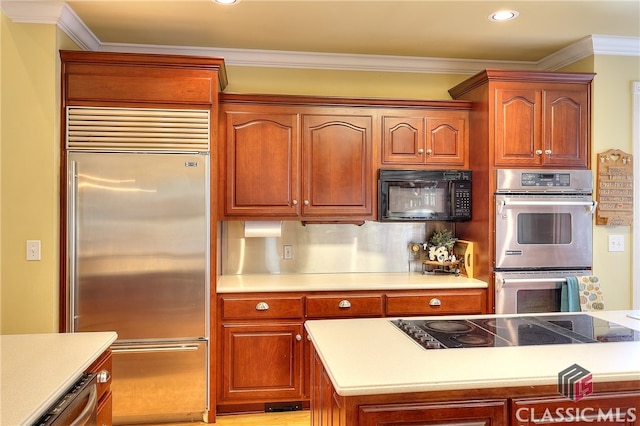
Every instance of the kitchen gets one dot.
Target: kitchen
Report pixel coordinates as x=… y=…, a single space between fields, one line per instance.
x=42 y=298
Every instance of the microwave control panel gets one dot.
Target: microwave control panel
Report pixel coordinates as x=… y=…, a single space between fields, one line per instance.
x=462 y=199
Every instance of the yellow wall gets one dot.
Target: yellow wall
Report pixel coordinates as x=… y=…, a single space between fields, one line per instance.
x=29 y=175
x=29 y=154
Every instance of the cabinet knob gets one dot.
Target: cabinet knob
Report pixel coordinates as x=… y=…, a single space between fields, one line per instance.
x=429 y=151
x=345 y=304
x=547 y=151
x=306 y=202
x=435 y=302
x=420 y=151
x=538 y=152
x=294 y=202
x=103 y=376
x=262 y=306
x=298 y=337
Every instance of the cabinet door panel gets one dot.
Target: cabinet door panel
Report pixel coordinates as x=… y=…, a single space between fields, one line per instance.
x=605 y=409
x=459 y=413
x=337 y=169
x=446 y=141
x=517 y=134
x=262 y=362
x=566 y=127
x=262 y=164
x=403 y=140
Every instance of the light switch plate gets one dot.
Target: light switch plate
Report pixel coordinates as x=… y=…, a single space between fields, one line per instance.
x=616 y=242
x=33 y=249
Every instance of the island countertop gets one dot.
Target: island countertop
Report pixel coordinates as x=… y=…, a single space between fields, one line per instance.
x=343 y=282
x=372 y=356
x=37 y=369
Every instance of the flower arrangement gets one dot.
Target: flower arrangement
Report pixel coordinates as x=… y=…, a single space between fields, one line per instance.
x=440 y=245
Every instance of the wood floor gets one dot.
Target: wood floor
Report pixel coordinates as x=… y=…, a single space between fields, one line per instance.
x=291 y=418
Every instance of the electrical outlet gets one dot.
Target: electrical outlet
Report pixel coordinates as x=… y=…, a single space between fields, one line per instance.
x=287 y=252
x=33 y=249
x=616 y=242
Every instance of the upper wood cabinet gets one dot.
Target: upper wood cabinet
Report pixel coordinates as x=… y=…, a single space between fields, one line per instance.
x=337 y=165
x=541 y=127
x=424 y=138
x=317 y=159
x=528 y=118
x=262 y=163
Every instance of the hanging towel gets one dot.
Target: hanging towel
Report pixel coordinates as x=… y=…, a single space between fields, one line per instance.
x=591 y=298
x=570 y=296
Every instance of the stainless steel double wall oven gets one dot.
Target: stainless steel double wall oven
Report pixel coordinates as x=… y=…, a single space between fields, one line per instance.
x=543 y=234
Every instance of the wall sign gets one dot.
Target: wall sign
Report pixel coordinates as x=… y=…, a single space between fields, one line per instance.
x=614 y=188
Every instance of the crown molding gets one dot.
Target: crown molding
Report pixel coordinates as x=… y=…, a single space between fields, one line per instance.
x=60 y=14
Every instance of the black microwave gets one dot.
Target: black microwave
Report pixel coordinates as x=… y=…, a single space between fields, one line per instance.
x=420 y=195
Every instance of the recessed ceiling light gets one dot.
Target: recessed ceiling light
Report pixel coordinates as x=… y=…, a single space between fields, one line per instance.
x=503 y=15
x=227 y=1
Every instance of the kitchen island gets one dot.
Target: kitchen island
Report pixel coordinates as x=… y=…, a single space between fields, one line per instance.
x=37 y=369
x=368 y=372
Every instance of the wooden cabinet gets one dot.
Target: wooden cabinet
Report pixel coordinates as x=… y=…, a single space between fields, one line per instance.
x=337 y=164
x=541 y=126
x=262 y=164
x=619 y=408
x=436 y=302
x=316 y=159
x=462 y=413
x=292 y=162
x=264 y=356
x=103 y=368
x=424 y=138
x=528 y=118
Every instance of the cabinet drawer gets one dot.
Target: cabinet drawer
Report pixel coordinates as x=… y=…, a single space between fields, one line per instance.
x=458 y=302
x=344 y=306
x=261 y=307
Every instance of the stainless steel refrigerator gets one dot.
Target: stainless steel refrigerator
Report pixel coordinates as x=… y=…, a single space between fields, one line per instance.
x=138 y=246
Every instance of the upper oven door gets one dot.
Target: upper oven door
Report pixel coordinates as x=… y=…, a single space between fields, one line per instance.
x=543 y=231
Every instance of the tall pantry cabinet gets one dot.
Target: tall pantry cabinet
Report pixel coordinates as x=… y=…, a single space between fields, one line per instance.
x=525 y=120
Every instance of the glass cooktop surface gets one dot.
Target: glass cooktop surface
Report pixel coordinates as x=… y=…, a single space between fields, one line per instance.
x=436 y=333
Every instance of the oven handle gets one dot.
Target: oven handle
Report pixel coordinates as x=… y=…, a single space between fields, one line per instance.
x=591 y=205
x=501 y=282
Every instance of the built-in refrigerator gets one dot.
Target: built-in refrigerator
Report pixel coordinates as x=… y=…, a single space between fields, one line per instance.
x=138 y=250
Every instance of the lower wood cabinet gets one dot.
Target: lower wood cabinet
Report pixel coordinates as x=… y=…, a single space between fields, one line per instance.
x=263 y=355
x=620 y=408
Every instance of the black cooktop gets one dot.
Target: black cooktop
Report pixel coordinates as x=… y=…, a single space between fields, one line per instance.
x=437 y=333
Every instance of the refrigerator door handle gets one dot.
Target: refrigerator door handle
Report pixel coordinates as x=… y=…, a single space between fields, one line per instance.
x=72 y=242
x=154 y=348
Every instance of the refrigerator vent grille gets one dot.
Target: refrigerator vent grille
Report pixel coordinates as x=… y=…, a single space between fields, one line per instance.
x=135 y=129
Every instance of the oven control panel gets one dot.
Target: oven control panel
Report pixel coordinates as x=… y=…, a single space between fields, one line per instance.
x=545 y=179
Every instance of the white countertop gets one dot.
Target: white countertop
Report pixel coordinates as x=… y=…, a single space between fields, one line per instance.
x=372 y=356
x=37 y=369
x=343 y=282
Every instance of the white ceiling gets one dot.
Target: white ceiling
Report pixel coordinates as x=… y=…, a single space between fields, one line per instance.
x=451 y=30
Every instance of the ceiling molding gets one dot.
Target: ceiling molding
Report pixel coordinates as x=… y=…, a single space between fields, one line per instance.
x=60 y=14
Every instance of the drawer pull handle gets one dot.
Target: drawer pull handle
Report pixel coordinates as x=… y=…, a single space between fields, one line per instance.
x=298 y=337
x=103 y=377
x=262 y=306
x=345 y=304
x=435 y=302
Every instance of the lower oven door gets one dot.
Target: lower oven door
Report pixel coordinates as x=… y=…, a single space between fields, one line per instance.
x=543 y=231
x=531 y=291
